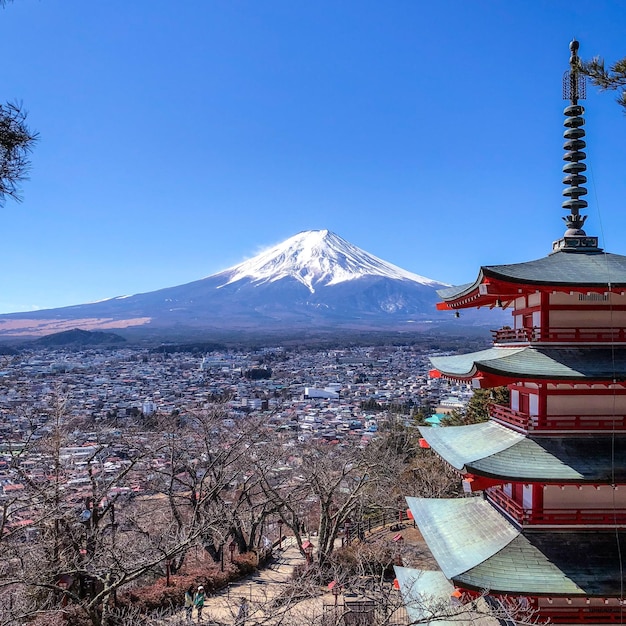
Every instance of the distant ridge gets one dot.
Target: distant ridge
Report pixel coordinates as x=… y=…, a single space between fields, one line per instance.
x=313 y=280
x=78 y=337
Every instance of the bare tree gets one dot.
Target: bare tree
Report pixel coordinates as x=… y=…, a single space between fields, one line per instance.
x=75 y=536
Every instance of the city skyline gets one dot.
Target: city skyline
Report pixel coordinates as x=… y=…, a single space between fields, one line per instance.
x=177 y=141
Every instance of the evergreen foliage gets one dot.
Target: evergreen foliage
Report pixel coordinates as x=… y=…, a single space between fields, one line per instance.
x=613 y=79
x=477 y=409
x=258 y=373
x=16 y=142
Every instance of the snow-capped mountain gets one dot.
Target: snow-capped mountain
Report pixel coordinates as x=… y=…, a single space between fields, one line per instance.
x=315 y=279
x=318 y=257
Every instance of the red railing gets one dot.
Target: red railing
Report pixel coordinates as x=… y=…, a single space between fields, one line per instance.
x=586 y=517
x=505 y=414
x=582 y=422
x=551 y=335
x=514 y=335
x=556 y=422
x=556 y=517
x=508 y=505
x=582 y=615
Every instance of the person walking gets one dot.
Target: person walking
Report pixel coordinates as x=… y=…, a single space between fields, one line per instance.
x=242 y=613
x=189 y=594
x=198 y=601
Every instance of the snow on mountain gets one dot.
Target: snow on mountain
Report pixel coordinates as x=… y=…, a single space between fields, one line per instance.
x=317 y=258
x=314 y=280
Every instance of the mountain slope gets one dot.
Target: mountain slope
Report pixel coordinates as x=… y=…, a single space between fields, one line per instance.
x=312 y=280
x=317 y=257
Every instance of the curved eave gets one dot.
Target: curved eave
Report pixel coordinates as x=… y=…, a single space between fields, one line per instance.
x=466 y=366
x=587 y=271
x=477 y=548
x=494 y=451
x=552 y=563
x=590 y=269
x=461 y=533
x=460 y=296
x=462 y=445
x=526 y=363
x=428 y=597
x=573 y=460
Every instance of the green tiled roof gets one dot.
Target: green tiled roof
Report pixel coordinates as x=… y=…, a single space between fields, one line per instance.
x=427 y=597
x=574 y=563
x=461 y=533
x=524 y=363
x=564 y=459
x=449 y=293
x=421 y=589
x=477 y=548
x=565 y=269
x=491 y=450
x=460 y=445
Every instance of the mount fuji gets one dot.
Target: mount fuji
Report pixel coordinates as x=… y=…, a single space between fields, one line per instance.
x=314 y=279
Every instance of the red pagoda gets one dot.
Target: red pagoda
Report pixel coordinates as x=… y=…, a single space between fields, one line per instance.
x=545 y=520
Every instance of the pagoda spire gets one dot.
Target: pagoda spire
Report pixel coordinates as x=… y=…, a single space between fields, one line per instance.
x=574 y=90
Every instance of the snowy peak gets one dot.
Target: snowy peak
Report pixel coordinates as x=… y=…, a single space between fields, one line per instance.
x=317 y=258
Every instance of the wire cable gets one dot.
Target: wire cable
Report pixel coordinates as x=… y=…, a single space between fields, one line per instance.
x=614 y=396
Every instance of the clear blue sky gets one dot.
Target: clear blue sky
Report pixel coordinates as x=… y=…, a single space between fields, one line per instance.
x=179 y=137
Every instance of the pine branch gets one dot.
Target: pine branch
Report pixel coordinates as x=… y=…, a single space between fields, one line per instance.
x=16 y=143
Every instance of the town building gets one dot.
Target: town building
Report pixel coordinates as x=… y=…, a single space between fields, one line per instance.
x=543 y=523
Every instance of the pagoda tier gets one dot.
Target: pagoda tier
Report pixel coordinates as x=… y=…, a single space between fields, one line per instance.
x=477 y=548
x=564 y=298
x=563 y=271
x=553 y=390
x=547 y=482
x=505 y=365
x=496 y=452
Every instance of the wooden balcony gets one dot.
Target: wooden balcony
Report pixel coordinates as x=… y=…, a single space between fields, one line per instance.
x=556 y=517
x=514 y=335
x=558 y=335
x=507 y=415
x=506 y=504
x=573 y=423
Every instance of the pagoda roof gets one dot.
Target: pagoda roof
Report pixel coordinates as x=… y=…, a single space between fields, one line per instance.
x=537 y=363
x=565 y=269
x=462 y=532
x=427 y=595
x=478 y=548
x=461 y=445
x=494 y=451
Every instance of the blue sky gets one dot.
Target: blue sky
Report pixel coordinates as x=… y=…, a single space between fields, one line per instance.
x=179 y=138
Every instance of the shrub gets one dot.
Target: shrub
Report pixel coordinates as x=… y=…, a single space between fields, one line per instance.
x=147 y=598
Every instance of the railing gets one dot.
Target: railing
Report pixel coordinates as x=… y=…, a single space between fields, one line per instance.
x=508 y=505
x=505 y=414
x=514 y=335
x=582 y=615
x=585 y=517
x=553 y=335
x=395 y=520
x=582 y=422
x=556 y=517
x=556 y=422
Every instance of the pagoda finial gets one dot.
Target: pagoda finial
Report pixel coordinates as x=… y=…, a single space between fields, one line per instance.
x=574 y=89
